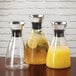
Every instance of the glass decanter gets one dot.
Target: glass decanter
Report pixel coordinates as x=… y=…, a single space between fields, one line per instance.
x=36 y=46
x=58 y=55
x=15 y=52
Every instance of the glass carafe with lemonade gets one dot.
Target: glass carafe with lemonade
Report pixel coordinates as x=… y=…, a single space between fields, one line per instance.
x=36 y=46
x=58 y=55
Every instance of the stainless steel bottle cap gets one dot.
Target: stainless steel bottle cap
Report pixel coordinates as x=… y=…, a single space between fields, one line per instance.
x=37 y=16
x=15 y=22
x=59 y=25
x=17 y=25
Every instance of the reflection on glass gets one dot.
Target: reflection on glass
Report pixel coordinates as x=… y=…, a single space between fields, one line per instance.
x=56 y=72
x=37 y=70
x=16 y=73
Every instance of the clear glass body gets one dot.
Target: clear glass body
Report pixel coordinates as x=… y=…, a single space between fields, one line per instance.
x=36 y=48
x=58 y=55
x=15 y=52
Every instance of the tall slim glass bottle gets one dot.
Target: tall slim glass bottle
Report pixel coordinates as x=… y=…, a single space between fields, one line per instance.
x=36 y=46
x=15 y=52
x=58 y=54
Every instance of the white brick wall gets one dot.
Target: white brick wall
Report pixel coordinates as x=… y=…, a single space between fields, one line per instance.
x=53 y=10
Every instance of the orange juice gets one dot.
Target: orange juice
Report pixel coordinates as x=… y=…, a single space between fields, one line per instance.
x=58 y=57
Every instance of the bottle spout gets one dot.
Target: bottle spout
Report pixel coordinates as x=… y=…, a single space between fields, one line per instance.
x=37 y=18
x=59 y=25
x=17 y=25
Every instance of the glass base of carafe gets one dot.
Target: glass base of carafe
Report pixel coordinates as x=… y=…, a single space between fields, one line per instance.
x=14 y=67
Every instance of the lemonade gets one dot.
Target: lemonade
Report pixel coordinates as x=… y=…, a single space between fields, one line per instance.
x=36 y=49
x=58 y=57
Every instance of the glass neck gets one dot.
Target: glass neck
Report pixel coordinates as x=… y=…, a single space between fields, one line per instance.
x=36 y=30
x=58 y=41
x=16 y=33
x=59 y=33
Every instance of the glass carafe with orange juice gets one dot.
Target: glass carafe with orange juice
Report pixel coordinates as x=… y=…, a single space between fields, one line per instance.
x=58 y=55
x=36 y=46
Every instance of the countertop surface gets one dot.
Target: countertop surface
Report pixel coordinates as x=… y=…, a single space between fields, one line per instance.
x=38 y=70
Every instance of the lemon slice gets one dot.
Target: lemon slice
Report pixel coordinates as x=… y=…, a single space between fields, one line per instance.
x=36 y=39
x=41 y=40
x=32 y=42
